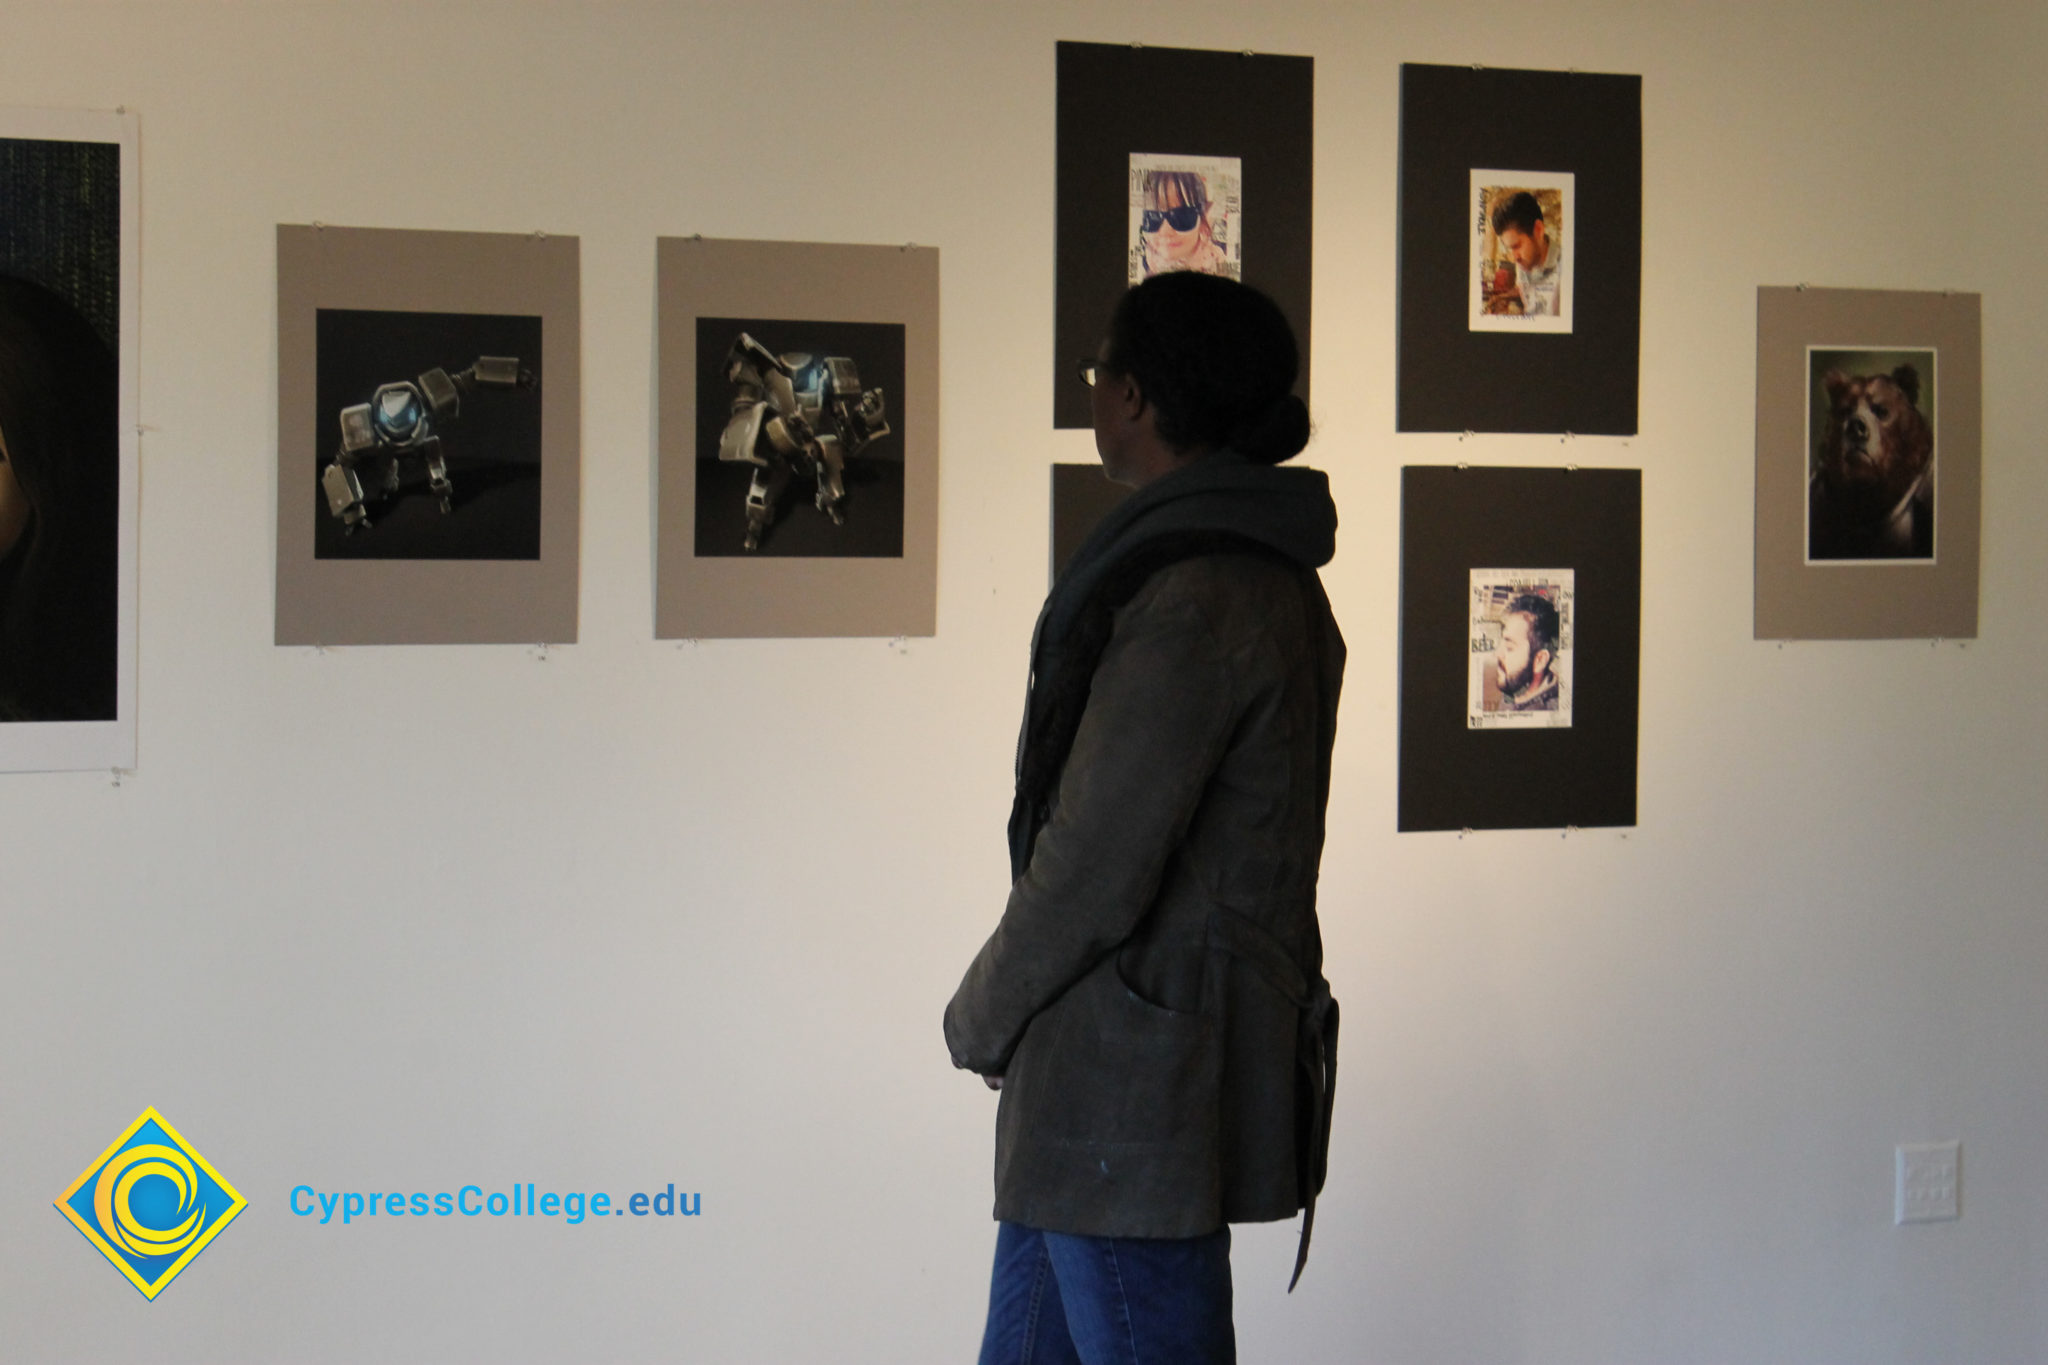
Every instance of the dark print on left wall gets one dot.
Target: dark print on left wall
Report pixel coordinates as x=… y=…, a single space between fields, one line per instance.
x=427 y=435
x=67 y=444
x=60 y=457
x=60 y=494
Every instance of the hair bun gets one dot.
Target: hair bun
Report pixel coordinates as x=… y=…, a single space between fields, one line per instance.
x=1279 y=433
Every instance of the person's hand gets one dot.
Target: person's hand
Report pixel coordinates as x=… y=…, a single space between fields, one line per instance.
x=992 y=1082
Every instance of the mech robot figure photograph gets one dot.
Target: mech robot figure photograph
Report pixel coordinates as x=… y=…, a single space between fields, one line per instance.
x=399 y=431
x=793 y=422
x=429 y=441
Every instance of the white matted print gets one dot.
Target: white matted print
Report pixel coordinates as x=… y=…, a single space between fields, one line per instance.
x=1520 y=271
x=1520 y=624
x=70 y=251
x=1187 y=213
x=1871 y=443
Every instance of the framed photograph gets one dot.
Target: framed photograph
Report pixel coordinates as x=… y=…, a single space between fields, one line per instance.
x=1161 y=153
x=797 y=453
x=1520 y=273
x=830 y=488
x=1187 y=213
x=429 y=391
x=427 y=435
x=1867 y=464
x=1519 y=684
x=1870 y=488
x=1520 y=650
x=1520 y=267
x=70 y=249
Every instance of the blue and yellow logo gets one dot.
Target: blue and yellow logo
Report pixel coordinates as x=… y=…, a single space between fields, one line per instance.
x=151 y=1203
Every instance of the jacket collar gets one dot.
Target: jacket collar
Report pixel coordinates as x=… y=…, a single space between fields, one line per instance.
x=1283 y=507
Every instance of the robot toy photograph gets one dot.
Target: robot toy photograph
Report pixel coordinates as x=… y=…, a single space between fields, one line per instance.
x=395 y=439
x=795 y=414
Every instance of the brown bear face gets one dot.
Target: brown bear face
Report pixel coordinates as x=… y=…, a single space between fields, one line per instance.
x=1877 y=444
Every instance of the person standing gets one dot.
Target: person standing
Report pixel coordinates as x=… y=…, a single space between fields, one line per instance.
x=1151 y=1004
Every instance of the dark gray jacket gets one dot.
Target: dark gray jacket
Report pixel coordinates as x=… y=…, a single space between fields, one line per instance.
x=1153 y=996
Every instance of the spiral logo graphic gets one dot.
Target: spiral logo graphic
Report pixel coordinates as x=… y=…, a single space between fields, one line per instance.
x=118 y=1220
x=150 y=1203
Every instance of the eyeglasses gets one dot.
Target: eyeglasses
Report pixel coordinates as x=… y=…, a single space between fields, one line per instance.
x=1090 y=369
x=1183 y=218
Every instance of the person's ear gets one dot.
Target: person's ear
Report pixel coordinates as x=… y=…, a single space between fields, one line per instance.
x=1542 y=661
x=1130 y=399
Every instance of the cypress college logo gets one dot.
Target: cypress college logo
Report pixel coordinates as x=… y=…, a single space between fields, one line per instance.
x=150 y=1203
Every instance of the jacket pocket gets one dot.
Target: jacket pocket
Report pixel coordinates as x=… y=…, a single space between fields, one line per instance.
x=1126 y=1072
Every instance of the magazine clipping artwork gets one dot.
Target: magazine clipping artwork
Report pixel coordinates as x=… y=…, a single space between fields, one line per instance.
x=1187 y=213
x=1520 y=272
x=1520 y=624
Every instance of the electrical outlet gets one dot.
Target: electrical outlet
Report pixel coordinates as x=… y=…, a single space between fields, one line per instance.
x=1929 y=1182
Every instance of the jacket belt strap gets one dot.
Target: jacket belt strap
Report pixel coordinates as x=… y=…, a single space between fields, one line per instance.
x=1315 y=1055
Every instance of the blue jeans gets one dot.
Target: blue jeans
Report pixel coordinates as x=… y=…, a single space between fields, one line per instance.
x=1057 y=1299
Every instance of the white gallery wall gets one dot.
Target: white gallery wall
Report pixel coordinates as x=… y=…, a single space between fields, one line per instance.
x=621 y=913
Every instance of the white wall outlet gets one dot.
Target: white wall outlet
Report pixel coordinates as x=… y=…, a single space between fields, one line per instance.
x=1929 y=1182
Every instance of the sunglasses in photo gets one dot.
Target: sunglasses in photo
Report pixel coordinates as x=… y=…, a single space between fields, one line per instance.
x=1183 y=218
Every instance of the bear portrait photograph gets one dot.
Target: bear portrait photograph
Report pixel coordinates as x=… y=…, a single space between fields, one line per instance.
x=1871 y=473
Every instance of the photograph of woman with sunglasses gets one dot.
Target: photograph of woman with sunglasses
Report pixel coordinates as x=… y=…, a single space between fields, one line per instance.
x=1186 y=214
